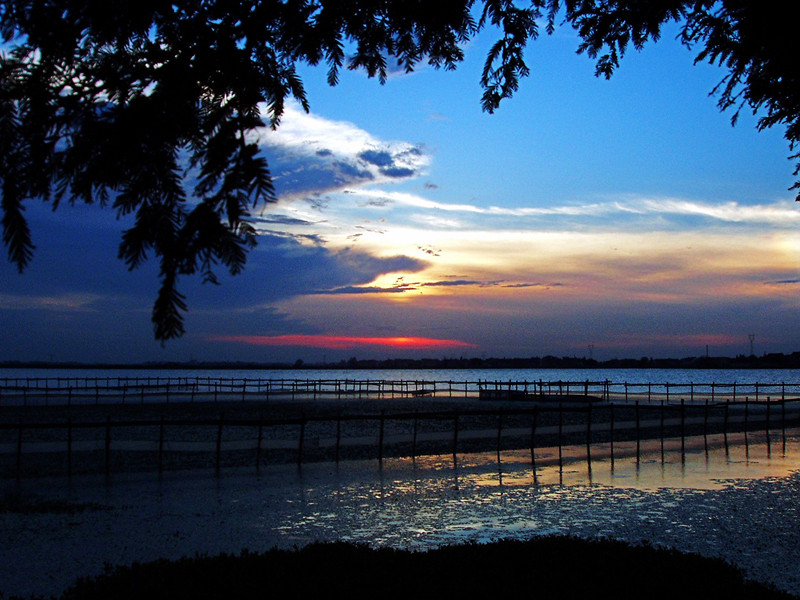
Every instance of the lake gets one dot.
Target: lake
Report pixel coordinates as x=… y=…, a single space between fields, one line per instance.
x=677 y=376
x=738 y=502
x=157 y=385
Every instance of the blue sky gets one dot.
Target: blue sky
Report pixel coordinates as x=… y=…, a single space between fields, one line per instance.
x=626 y=214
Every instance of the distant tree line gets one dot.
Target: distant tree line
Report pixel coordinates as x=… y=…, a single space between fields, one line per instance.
x=775 y=360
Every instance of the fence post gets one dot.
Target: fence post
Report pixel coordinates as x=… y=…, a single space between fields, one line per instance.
x=161 y=445
x=219 y=439
x=638 y=433
x=683 y=430
x=560 y=441
x=783 y=425
x=302 y=436
x=725 y=427
x=19 y=449
x=455 y=436
x=108 y=444
x=766 y=426
x=746 y=410
x=533 y=440
x=69 y=446
x=414 y=435
x=589 y=435
x=380 y=437
x=338 y=433
x=499 y=432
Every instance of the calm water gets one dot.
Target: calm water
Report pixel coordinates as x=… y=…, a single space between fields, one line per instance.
x=659 y=376
x=738 y=502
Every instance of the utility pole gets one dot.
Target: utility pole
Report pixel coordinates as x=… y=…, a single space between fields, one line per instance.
x=751 y=336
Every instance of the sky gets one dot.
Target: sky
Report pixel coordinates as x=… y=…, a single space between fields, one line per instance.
x=586 y=217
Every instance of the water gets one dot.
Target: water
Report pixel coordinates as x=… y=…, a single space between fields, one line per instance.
x=78 y=386
x=737 y=502
x=655 y=376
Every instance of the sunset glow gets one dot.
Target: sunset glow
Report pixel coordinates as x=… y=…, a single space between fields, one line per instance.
x=626 y=216
x=334 y=342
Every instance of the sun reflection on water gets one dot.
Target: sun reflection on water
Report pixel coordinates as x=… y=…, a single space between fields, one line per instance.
x=702 y=462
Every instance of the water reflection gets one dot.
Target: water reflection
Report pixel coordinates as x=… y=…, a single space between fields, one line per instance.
x=702 y=462
x=681 y=494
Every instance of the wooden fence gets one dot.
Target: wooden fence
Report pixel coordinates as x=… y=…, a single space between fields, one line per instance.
x=66 y=447
x=121 y=390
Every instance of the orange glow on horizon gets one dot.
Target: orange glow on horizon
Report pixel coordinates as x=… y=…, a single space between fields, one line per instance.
x=336 y=342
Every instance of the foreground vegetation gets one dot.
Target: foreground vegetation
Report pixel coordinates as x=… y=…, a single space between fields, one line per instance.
x=563 y=567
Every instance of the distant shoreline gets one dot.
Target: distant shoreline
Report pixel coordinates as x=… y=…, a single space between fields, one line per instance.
x=766 y=361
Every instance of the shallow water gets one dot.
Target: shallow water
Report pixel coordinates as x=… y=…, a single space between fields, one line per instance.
x=739 y=502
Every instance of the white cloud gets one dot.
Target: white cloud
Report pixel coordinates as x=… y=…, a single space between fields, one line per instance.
x=310 y=155
x=309 y=133
x=781 y=214
x=63 y=302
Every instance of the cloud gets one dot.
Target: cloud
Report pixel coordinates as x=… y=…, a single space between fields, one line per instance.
x=56 y=303
x=281 y=267
x=532 y=285
x=784 y=282
x=625 y=210
x=350 y=289
x=279 y=219
x=309 y=154
x=779 y=213
x=377 y=158
x=402 y=286
x=398 y=172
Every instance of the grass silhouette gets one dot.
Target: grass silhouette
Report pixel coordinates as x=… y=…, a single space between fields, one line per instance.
x=559 y=567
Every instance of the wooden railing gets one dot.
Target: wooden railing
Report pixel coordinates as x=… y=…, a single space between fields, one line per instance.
x=121 y=390
x=67 y=446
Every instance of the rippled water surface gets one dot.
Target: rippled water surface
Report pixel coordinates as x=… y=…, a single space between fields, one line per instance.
x=739 y=500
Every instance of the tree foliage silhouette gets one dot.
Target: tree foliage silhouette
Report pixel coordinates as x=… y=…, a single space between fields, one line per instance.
x=151 y=106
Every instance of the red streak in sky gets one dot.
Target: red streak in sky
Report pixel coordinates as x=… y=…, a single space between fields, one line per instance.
x=336 y=342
